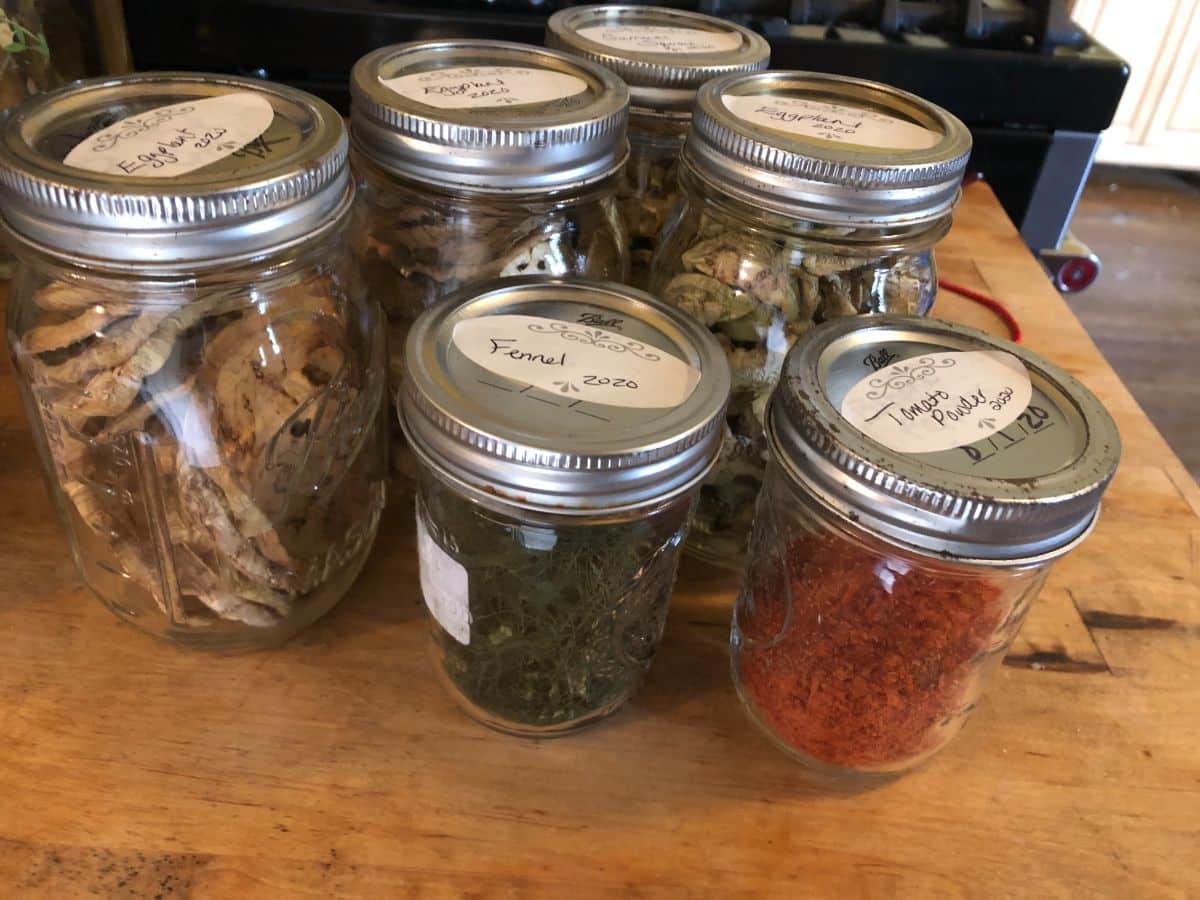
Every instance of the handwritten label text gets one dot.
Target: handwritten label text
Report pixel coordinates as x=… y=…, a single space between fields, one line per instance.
x=580 y=363
x=938 y=401
x=470 y=87
x=177 y=139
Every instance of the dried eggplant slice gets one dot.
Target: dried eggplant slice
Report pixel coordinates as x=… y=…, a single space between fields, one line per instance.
x=542 y=254
x=831 y=264
x=256 y=608
x=65 y=296
x=837 y=298
x=111 y=392
x=205 y=512
x=104 y=524
x=753 y=328
x=749 y=264
x=43 y=338
x=251 y=521
x=255 y=392
x=901 y=293
x=707 y=299
x=810 y=296
x=112 y=348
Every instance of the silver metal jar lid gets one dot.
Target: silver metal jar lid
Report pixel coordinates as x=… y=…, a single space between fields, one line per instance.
x=664 y=55
x=171 y=169
x=828 y=148
x=568 y=397
x=488 y=115
x=1011 y=467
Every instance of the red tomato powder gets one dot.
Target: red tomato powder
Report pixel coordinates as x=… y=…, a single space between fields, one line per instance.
x=878 y=660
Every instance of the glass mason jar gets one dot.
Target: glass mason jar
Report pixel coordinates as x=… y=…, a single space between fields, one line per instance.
x=896 y=551
x=664 y=55
x=562 y=429
x=480 y=160
x=202 y=370
x=806 y=198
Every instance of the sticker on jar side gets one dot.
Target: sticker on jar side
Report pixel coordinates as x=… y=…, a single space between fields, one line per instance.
x=939 y=401
x=661 y=38
x=580 y=362
x=173 y=140
x=479 y=87
x=832 y=122
x=444 y=585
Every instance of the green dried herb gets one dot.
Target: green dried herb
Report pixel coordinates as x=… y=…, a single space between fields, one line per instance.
x=565 y=619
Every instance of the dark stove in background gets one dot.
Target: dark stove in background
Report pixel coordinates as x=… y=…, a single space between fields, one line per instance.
x=1034 y=89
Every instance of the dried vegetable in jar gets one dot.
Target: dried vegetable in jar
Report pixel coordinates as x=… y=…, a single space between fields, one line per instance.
x=664 y=55
x=562 y=429
x=480 y=160
x=205 y=384
x=923 y=478
x=806 y=198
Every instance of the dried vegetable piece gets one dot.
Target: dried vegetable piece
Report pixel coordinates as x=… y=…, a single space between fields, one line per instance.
x=707 y=299
x=760 y=296
x=414 y=248
x=64 y=334
x=240 y=398
x=649 y=191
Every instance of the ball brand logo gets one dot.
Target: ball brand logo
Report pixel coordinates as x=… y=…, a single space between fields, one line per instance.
x=880 y=358
x=595 y=320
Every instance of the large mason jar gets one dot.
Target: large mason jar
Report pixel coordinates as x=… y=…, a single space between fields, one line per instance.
x=806 y=197
x=923 y=478
x=202 y=370
x=479 y=160
x=562 y=429
x=664 y=55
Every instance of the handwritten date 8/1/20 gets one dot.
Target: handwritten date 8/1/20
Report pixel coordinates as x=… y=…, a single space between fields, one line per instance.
x=604 y=380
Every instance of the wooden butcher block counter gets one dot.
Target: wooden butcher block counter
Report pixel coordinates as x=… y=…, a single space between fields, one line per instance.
x=336 y=765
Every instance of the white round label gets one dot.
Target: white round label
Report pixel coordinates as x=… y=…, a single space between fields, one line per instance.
x=939 y=401
x=580 y=362
x=474 y=87
x=177 y=139
x=832 y=122
x=662 y=38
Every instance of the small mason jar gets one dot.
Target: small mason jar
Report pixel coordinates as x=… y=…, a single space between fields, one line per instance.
x=480 y=160
x=923 y=477
x=562 y=429
x=664 y=55
x=806 y=198
x=202 y=370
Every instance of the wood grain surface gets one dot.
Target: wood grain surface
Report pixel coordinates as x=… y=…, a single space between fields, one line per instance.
x=335 y=766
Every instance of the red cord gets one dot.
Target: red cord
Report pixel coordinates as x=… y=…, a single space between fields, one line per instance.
x=1010 y=321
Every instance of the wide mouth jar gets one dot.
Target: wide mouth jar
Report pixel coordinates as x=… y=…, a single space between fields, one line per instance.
x=202 y=374
x=489 y=116
x=172 y=171
x=562 y=429
x=564 y=397
x=664 y=55
x=923 y=477
x=942 y=438
x=826 y=148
